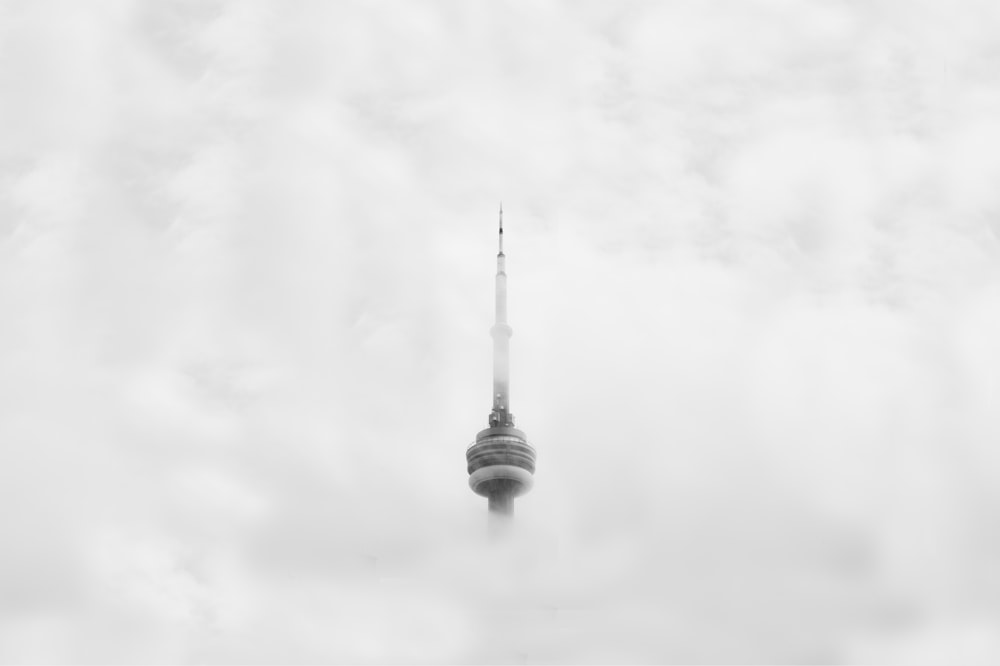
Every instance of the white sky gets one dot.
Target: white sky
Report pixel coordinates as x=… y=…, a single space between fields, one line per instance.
x=246 y=263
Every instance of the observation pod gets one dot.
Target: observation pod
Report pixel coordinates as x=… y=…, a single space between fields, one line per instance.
x=500 y=464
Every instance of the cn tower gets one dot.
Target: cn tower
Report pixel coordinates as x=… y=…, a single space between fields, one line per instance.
x=501 y=462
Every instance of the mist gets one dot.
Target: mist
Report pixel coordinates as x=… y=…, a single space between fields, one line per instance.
x=246 y=263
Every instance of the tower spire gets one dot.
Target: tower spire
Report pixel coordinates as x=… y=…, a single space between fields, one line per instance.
x=501 y=332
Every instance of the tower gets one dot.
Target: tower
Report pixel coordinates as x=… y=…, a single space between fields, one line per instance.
x=501 y=462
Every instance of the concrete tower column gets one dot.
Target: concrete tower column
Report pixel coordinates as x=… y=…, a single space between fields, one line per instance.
x=501 y=463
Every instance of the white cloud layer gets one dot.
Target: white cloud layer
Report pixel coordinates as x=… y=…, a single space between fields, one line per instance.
x=246 y=255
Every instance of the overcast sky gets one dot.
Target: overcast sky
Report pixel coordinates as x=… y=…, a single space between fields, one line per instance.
x=246 y=271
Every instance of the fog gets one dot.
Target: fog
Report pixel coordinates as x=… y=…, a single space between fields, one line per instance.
x=246 y=264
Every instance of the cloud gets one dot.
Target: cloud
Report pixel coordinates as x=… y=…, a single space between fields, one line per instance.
x=246 y=263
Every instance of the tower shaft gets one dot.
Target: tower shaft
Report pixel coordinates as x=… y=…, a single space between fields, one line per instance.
x=501 y=463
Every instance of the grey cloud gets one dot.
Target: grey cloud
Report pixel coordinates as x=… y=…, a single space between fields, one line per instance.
x=245 y=268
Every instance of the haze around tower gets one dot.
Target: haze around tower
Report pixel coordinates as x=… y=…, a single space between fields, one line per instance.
x=246 y=268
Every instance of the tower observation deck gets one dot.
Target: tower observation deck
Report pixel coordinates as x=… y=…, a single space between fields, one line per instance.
x=501 y=462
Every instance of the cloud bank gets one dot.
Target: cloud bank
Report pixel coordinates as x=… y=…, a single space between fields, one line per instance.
x=245 y=270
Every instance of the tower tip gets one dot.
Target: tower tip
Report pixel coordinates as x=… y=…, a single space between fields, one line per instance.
x=501 y=227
